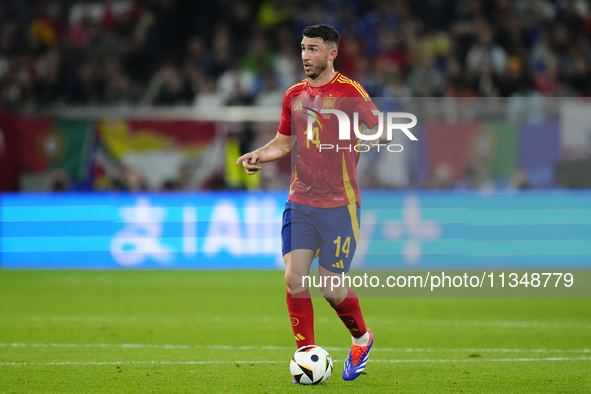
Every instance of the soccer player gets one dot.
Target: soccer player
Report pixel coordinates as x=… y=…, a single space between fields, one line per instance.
x=322 y=213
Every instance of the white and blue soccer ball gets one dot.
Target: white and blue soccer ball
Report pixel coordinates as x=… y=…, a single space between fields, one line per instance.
x=311 y=364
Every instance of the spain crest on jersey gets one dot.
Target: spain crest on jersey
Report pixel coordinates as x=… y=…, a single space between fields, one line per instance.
x=328 y=103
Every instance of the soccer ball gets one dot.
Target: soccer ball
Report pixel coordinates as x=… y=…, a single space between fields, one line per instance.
x=311 y=365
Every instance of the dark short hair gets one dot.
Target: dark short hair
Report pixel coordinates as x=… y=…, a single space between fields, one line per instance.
x=327 y=33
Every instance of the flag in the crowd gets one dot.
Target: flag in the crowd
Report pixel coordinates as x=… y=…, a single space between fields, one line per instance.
x=501 y=139
x=47 y=143
x=124 y=136
x=449 y=144
x=539 y=152
x=155 y=148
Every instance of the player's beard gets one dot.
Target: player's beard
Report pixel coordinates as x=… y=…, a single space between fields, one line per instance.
x=317 y=71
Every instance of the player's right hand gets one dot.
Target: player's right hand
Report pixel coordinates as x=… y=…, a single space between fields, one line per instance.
x=250 y=162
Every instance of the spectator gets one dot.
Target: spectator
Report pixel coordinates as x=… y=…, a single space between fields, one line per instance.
x=441 y=178
x=426 y=80
x=580 y=79
x=129 y=180
x=486 y=53
x=520 y=181
x=180 y=182
x=59 y=181
x=208 y=96
x=168 y=87
x=237 y=85
x=547 y=78
x=271 y=95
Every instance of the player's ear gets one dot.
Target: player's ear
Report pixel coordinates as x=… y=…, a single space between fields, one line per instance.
x=332 y=53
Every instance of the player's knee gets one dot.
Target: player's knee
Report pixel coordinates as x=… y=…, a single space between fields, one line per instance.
x=288 y=278
x=295 y=282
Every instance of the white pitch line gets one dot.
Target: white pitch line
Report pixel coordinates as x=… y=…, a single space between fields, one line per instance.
x=382 y=321
x=480 y=323
x=139 y=363
x=230 y=347
x=521 y=359
x=60 y=363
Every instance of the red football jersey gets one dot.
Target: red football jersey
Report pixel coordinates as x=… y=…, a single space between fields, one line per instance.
x=325 y=177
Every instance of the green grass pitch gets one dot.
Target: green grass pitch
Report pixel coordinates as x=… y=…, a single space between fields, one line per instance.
x=228 y=332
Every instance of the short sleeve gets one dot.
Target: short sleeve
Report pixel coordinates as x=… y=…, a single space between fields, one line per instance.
x=285 y=124
x=363 y=106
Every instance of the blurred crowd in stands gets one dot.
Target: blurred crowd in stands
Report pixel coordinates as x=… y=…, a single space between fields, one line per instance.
x=222 y=52
x=216 y=53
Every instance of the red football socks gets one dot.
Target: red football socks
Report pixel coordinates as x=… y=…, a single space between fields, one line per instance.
x=350 y=313
x=301 y=315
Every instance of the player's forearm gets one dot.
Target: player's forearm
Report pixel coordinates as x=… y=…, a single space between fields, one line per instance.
x=274 y=150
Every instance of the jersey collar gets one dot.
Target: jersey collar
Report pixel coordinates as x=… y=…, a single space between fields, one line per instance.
x=326 y=84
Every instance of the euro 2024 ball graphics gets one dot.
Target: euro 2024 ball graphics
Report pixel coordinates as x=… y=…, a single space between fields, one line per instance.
x=311 y=365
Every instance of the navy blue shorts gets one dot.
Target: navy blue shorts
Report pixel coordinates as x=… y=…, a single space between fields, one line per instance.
x=335 y=231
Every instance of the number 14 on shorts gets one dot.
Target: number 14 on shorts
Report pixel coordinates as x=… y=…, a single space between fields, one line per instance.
x=345 y=247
